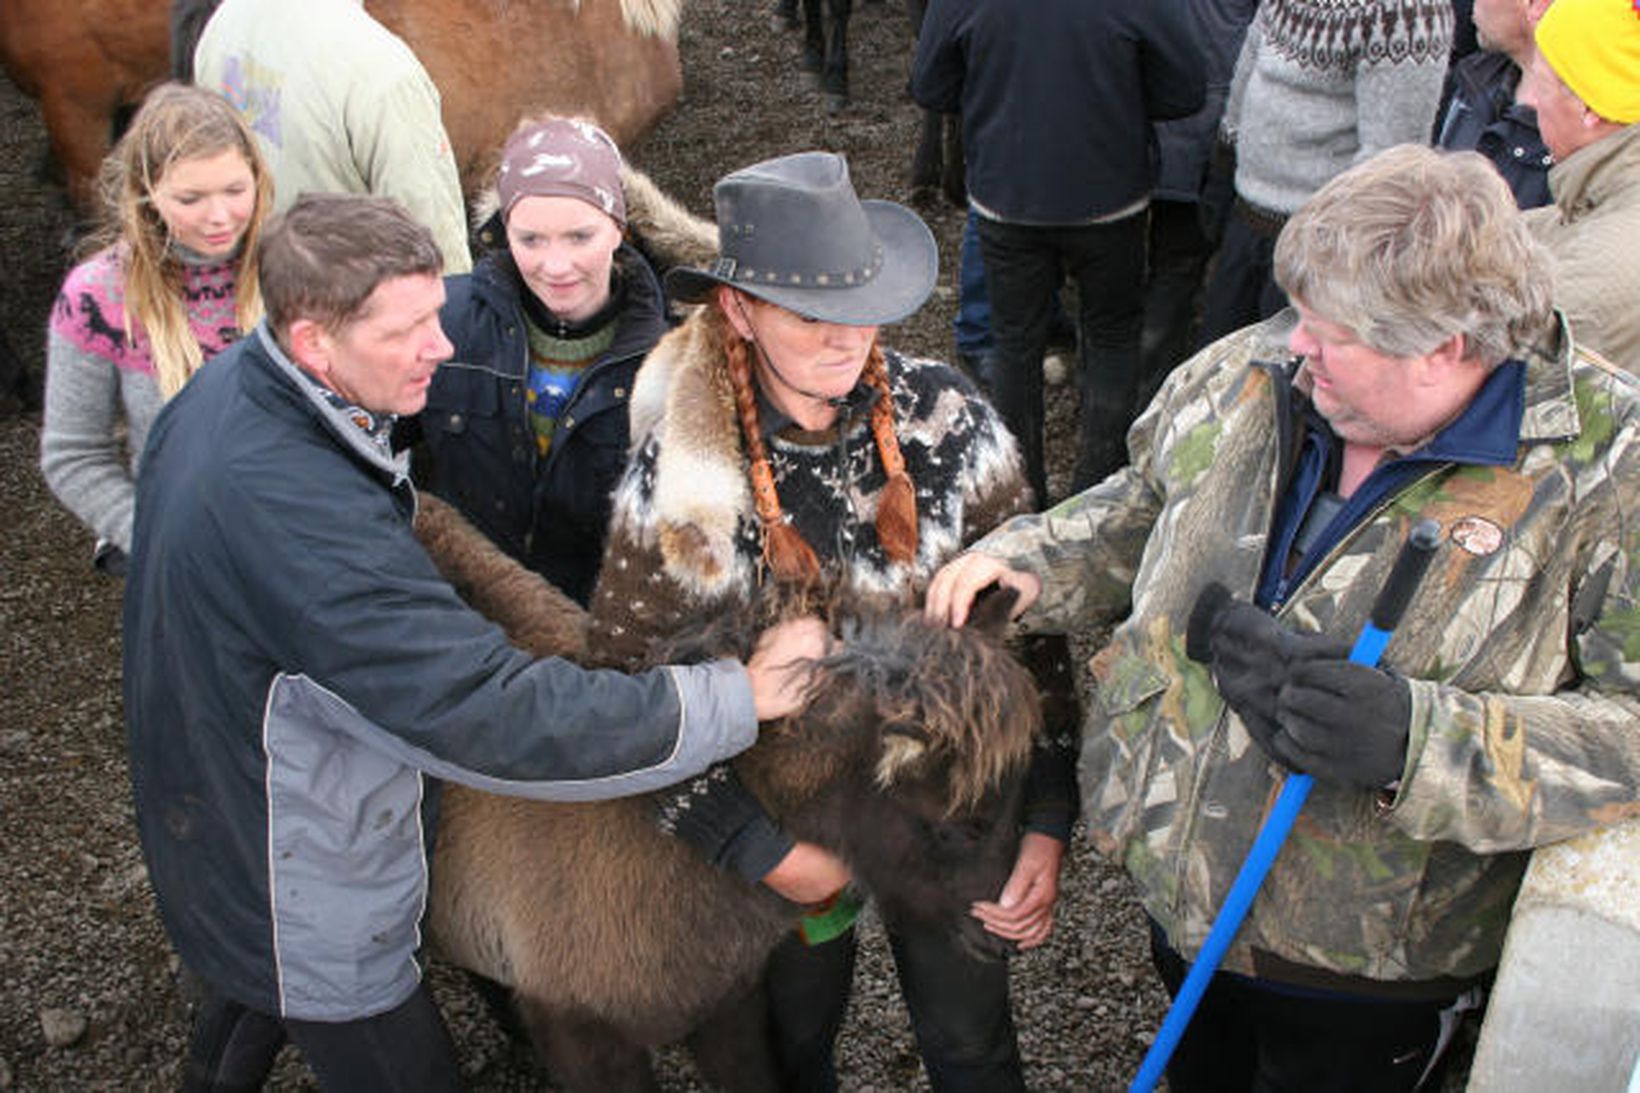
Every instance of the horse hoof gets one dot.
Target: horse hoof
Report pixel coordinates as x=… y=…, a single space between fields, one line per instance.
x=836 y=103
x=812 y=61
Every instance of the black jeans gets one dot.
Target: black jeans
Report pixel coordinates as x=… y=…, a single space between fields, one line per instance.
x=959 y=1012
x=1024 y=267
x=1178 y=254
x=405 y=1050
x=1248 y=1037
x=1242 y=289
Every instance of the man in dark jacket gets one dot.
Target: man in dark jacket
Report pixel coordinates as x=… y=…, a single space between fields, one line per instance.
x=1482 y=112
x=1056 y=103
x=295 y=668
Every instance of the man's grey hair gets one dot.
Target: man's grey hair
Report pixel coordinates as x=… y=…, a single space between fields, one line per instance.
x=1416 y=245
x=326 y=254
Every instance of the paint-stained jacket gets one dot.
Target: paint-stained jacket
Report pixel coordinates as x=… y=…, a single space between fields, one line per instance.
x=1522 y=650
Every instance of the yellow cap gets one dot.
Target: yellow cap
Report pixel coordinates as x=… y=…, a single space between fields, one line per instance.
x=1594 y=46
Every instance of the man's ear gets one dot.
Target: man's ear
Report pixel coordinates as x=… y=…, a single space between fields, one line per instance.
x=1443 y=358
x=309 y=346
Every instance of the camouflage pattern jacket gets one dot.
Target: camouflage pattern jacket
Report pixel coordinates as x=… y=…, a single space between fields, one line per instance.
x=1522 y=650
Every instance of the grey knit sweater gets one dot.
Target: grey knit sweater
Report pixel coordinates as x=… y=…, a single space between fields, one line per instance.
x=1323 y=84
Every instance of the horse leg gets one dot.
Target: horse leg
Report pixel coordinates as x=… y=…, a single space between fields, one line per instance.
x=15 y=379
x=814 y=36
x=926 y=161
x=834 y=78
x=585 y=1055
x=954 y=167
x=81 y=132
x=731 y=1046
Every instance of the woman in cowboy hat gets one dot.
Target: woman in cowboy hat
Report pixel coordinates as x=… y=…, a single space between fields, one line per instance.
x=776 y=441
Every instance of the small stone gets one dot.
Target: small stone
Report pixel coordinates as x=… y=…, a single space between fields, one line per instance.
x=62 y=1027
x=1055 y=369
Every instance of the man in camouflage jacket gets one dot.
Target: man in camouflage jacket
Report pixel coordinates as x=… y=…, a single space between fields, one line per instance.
x=1509 y=714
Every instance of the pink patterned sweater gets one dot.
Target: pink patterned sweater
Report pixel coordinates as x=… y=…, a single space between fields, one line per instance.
x=98 y=371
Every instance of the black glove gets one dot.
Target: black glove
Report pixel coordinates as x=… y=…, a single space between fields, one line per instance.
x=1344 y=723
x=1252 y=657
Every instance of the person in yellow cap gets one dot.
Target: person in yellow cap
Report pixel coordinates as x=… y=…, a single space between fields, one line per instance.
x=1585 y=85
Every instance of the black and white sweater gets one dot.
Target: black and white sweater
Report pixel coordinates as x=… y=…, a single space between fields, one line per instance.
x=685 y=537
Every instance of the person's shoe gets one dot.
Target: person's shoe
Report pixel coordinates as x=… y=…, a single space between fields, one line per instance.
x=785 y=15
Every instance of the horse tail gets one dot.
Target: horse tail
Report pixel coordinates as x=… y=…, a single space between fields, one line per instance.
x=188 y=19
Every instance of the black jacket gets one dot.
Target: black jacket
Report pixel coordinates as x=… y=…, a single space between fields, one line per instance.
x=1482 y=115
x=548 y=512
x=1057 y=97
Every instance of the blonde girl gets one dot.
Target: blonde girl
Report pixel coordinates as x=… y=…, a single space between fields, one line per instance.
x=170 y=282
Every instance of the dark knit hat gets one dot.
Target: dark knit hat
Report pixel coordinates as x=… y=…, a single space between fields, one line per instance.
x=562 y=157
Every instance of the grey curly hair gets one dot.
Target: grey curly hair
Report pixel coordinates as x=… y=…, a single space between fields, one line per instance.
x=1416 y=245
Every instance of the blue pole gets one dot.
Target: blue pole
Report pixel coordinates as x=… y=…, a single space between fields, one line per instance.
x=1369 y=646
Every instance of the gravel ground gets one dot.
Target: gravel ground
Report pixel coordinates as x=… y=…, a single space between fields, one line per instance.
x=89 y=991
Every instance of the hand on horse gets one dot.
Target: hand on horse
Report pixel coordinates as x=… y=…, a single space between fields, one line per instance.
x=808 y=874
x=953 y=588
x=1024 y=912
x=781 y=667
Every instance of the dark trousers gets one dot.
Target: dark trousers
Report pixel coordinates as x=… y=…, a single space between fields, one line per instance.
x=405 y=1050
x=1242 y=289
x=1246 y=1036
x=1177 y=258
x=1024 y=267
x=959 y=1012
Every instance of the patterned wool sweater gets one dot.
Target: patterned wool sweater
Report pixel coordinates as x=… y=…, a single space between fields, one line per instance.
x=97 y=370
x=1324 y=84
x=685 y=537
x=684 y=533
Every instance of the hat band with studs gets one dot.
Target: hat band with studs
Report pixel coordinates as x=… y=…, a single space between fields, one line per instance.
x=729 y=269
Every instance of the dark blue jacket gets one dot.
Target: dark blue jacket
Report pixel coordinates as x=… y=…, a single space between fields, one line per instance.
x=294 y=665
x=1057 y=98
x=1482 y=115
x=548 y=512
x=1185 y=145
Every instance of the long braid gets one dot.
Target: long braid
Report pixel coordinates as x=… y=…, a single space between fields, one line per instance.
x=785 y=552
x=897 y=506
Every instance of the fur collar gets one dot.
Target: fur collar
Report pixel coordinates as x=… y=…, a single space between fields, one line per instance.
x=683 y=398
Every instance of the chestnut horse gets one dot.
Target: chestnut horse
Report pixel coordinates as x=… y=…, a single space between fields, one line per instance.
x=89 y=62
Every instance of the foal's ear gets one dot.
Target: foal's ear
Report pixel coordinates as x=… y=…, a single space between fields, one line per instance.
x=991 y=609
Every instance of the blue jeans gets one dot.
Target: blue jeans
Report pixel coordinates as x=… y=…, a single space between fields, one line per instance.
x=959 y=1012
x=972 y=326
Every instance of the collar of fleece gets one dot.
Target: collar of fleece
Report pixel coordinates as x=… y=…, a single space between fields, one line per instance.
x=683 y=397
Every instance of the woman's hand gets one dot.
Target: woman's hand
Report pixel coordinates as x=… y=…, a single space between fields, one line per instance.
x=951 y=593
x=808 y=874
x=1024 y=913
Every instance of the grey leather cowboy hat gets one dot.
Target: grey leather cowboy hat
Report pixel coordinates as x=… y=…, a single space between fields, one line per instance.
x=792 y=231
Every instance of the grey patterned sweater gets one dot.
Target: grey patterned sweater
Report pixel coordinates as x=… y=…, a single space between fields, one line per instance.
x=1323 y=84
